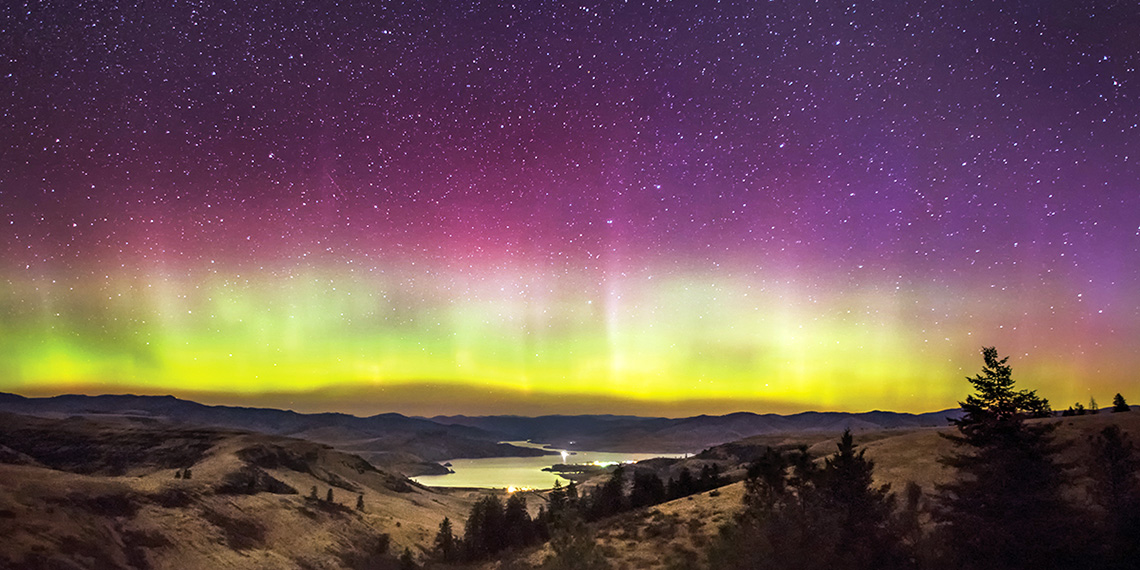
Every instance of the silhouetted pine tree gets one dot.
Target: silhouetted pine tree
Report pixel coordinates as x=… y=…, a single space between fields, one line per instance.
x=810 y=519
x=483 y=534
x=863 y=510
x=648 y=489
x=1005 y=509
x=1113 y=469
x=683 y=486
x=608 y=498
x=710 y=477
x=1118 y=404
x=518 y=528
x=446 y=546
x=407 y=562
x=557 y=499
x=572 y=499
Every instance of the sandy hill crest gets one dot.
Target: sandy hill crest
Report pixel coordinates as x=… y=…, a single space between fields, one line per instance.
x=112 y=493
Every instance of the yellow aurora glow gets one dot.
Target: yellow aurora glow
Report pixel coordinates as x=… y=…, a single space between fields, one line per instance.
x=646 y=343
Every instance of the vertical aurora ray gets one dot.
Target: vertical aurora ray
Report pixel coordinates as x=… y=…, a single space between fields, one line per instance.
x=649 y=337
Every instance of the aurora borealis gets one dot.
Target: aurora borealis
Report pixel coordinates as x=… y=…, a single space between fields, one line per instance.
x=635 y=207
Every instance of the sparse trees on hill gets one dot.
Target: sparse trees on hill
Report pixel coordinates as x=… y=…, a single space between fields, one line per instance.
x=801 y=517
x=492 y=528
x=683 y=486
x=574 y=548
x=608 y=498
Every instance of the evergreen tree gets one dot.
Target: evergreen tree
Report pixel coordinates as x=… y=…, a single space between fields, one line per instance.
x=313 y=493
x=771 y=467
x=407 y=562
x=863 y=511
x=1118 y=404
x=608 y=498
x=572 y=496
x=1093 y=407
x=360 y=502
x=810 y=519
x=446 y=546
x=648 y=489
x=684 y=486
x=994 y=399
x=1005 y=509
x=329 y=496
x=908 y=521
x=804 y=469
x=483 y=533
x=1114 y=470
x=557 y=499
x=518 y=529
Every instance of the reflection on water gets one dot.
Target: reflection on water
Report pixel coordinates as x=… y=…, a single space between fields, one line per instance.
x=522 y=472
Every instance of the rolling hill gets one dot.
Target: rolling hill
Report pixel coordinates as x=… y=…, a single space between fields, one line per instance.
x=141 y=493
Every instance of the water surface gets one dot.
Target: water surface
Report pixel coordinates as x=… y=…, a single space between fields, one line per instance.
x=523 y=472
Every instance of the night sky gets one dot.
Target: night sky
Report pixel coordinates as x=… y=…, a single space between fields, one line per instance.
x=651 y=207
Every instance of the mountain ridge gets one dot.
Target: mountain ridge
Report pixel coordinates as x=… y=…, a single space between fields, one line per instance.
x=392 y=440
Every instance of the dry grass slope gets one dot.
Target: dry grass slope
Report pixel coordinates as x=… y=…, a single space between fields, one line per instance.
x=656 y=537
x=103 y=494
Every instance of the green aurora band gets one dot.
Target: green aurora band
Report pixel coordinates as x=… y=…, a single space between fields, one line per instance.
x=645 y=342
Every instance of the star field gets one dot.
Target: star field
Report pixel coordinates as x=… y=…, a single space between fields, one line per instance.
x=639 y=206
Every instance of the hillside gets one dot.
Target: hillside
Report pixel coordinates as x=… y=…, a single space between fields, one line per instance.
x=681 y=435
x=655 y=537
x=411 y=446
x=86 y=493
x=108 y=492
x=415 y=446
